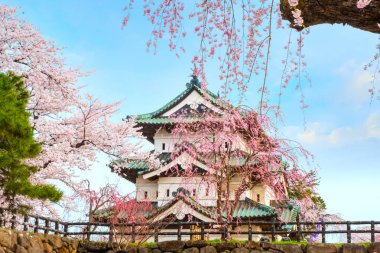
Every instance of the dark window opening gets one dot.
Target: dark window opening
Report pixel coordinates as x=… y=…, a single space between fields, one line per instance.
x=226 y=145
x=167 y=193
x=145 y=195
x=163 y=146
x=258 y=197
x=156 y=194
x=194 y=192
x=207 y=191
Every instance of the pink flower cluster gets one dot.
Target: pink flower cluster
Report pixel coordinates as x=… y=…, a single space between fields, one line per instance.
x=298 y=20
x=362 y=3
x=293 y=3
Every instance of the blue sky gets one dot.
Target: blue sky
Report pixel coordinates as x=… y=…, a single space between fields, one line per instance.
x=342 y=128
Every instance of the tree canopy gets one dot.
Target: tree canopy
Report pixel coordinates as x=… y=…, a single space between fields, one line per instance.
x=71 y=127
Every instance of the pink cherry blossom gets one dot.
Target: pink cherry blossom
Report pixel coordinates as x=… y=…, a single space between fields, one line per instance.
x=293 y=3
x=363 y=3
x=298 y=20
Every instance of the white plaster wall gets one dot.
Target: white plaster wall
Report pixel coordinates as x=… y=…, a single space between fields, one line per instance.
x=145 y=185
x=160 y=137
x=269 y=195
x=173 y=183
x=266 y=194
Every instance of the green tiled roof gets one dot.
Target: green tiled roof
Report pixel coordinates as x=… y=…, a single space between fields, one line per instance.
x=163 y=120
x=135 y=164
x=140 y=164
x=246 y=208
x=289 y=214
x=158 y=121
x=251 y=209
x=151 y=118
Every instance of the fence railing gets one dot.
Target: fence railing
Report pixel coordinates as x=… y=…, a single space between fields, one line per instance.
x=86 y=230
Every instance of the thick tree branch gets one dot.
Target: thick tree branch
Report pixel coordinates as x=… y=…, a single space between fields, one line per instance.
x=315 y=12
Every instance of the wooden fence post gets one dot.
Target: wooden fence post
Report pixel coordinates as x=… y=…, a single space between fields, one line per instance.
x=36 y=224
x=372 y=231
x=88 y=232
x=323 y=232
x=13 y=222
x=298 y=229
x=56 y=228
x=110 y=234
x=179 y=232
x=65 y=229
x=348 y=232
x=155 y=234
x=273 y=229
x=2 y=220
x=249 y=232
x=133 y=232
x=26 y=220
x=202 y=230
x=47 y=225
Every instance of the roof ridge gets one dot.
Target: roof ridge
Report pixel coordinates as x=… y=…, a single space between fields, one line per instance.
x=168 y=104
x=212 y=97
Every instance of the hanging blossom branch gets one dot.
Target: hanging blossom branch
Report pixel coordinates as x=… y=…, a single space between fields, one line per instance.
x=237 y=34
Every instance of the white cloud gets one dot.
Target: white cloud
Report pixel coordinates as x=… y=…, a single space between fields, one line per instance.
x=358 y=86
x=317 y=134
x=358 y=82
x=372 y=126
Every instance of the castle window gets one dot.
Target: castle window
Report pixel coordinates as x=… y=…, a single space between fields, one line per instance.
x=258 y=197
x=167 y=193
x=156 y=194
x=226 y=145
x=163 y=146
x=145 y=195
x=207 y=191
x=194 y=192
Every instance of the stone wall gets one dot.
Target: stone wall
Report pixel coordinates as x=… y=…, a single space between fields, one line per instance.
x=21 y=242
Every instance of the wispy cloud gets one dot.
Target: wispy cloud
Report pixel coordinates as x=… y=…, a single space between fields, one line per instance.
x=358 y=82
x=357 y=89
x=319 y=134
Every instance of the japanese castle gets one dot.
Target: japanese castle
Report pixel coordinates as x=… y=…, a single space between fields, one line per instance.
x=160 y=187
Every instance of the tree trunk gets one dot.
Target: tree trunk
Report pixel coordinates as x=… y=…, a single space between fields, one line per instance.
x=315 y=12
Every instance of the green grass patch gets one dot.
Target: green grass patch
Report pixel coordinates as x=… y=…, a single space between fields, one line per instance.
x=143 y=244
x=290 y=242
x=233 y=241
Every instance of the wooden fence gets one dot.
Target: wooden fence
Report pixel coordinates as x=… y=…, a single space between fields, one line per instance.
x=87 y=230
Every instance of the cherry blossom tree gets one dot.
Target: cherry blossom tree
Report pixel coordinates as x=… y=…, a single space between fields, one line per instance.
x=238 y=149
x=301 y=186
x=72 y=127
x=109 y=205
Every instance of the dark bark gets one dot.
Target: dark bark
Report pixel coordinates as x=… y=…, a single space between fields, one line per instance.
x=315 y=12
